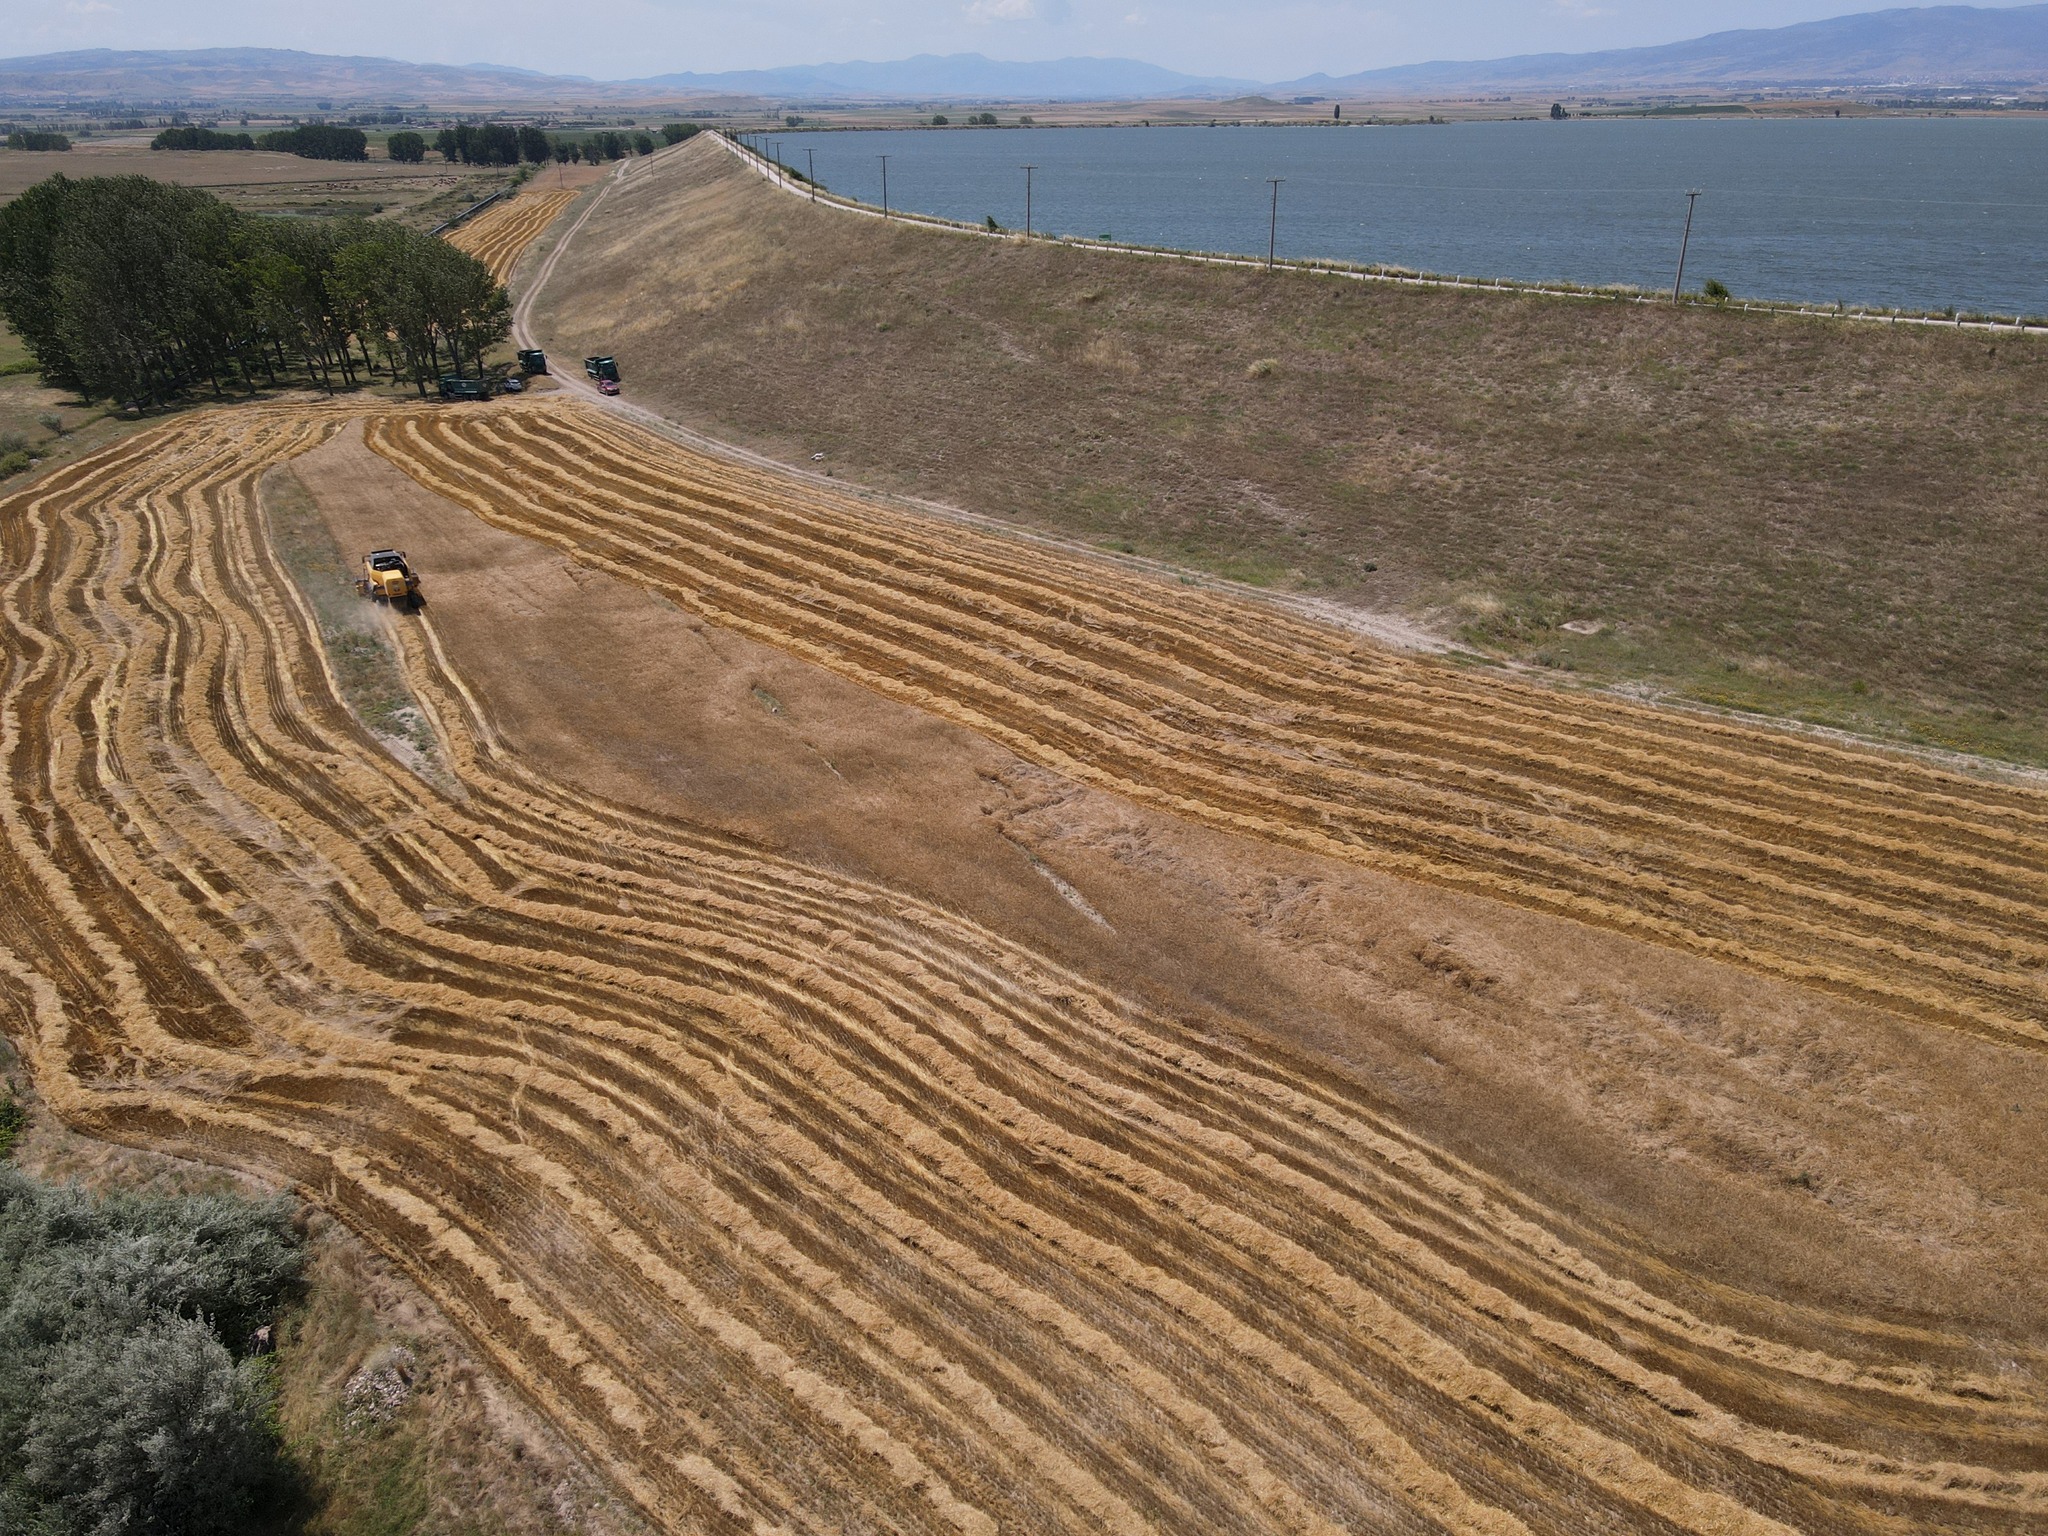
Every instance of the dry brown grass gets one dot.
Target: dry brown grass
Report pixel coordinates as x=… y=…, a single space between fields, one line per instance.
x=1832 y=520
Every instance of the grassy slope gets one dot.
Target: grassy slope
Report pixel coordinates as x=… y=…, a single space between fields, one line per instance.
x=1832 y=521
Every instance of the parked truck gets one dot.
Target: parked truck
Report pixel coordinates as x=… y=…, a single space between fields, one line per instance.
x=454 y=387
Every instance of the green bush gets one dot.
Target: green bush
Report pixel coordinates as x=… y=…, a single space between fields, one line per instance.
x=407 y=148
x=27 y=138
x=123 y=1408
x=13 y=1121
x=155 y=1431
x=675 y=133
x=13 y=463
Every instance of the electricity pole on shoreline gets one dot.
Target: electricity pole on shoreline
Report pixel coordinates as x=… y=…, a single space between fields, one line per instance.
x=1685 y=240
x=885 y=184
x=811 y=159
x=1273 y=227
x=1027 y=199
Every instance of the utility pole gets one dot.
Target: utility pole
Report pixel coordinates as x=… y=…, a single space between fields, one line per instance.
x=885 y=184
x=811 y=159
x=1690 y=198
x=1273 y=227
x=1027 y=199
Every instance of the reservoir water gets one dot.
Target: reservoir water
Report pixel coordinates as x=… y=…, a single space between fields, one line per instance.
x=1919 y=213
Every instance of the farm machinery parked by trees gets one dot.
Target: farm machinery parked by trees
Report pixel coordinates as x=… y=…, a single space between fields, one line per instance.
x=129 y=289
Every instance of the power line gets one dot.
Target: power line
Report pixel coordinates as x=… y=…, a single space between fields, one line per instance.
x=811 y=159
x=885 y=184
x=1273 y=227
x=1027 y=199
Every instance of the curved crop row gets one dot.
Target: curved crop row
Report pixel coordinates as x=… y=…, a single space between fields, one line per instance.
x=1881 y=878
x=498 y=236
x=801 y=1204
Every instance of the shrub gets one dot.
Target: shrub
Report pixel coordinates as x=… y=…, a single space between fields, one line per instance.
x=675 y=133
x=123 y=1410
x=1716 y=290
x=940 y=120
x=13 y=1121
x=25 y=138
x=13 y=463
x=643 y=144
x=408 y=148
x=155 y=1431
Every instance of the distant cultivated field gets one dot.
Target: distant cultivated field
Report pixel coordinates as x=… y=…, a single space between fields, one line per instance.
x=1835 y=521
x=259 y=181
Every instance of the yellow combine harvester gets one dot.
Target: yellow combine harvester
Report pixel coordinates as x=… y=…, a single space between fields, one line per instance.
x=387 y=577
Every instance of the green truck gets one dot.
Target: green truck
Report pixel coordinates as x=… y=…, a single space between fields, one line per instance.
x=455 y=388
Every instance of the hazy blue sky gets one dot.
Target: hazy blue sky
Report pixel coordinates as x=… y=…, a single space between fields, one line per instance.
x=631 y=38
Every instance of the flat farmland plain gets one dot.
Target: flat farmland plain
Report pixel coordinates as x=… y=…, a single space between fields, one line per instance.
x=802 y=1202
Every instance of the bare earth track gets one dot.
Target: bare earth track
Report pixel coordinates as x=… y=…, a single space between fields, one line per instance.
x=805 y=1205
x=497 y=236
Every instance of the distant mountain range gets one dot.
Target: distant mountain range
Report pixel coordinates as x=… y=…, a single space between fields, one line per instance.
x=1946 y=45
x=262 y=75
x=265 y=75
x=1938 y=46
x=968 y=76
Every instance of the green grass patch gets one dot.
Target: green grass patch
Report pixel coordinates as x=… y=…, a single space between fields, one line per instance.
x=1702 y=667
x=14 y=356
x=13 y=1120
x=352 y=631
x=365 y=1474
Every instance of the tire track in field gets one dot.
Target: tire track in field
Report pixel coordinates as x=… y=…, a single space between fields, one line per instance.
x=1881 y=878
x=804 y=1205
x=499 y=236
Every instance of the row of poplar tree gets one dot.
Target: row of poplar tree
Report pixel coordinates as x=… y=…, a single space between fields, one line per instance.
x=127 y=289
x=504 y=144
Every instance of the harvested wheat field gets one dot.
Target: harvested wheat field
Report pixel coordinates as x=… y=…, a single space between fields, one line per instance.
x=807 y=1199
x=499 y=236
